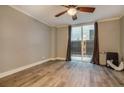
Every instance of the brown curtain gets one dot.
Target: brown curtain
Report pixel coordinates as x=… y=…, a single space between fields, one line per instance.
x=95 y=58
x=68 y=56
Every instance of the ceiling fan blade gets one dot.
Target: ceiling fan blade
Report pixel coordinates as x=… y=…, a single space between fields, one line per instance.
x=72 y=5
x=86 y=9
x=60 y=13
x=69 y=6
x=66 y=6
x=74 y=17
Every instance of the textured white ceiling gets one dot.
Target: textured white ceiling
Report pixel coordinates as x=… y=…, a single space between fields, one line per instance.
x=45 y=13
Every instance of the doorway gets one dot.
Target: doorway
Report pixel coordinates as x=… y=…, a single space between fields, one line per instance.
x=82 y=40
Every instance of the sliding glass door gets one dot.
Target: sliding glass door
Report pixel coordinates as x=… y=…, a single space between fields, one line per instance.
x=87 y=42
x=76 y=40
x=82 y=38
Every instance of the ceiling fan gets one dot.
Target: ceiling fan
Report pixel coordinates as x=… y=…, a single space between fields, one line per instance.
x=72 y=10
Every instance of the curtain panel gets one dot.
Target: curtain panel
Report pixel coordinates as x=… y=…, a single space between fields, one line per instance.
x=68 y=55
x=95 y=58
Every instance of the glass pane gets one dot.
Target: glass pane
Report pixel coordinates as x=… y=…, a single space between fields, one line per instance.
x=88 y=32
x=76 y=34
x=76 y=40
x=88 y=39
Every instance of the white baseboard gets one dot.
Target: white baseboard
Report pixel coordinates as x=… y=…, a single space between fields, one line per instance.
x=22 y=68
x=60 y=58
x=28 y=66
x=52 y=59
x=57 y=58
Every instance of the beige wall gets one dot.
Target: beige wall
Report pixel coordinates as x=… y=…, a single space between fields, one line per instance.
x=62 y=39
x=53 y=38
x=122 y=37
x=109 y=38
x=23 y=40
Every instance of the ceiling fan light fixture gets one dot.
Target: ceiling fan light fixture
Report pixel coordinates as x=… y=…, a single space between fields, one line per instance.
x=72 y=11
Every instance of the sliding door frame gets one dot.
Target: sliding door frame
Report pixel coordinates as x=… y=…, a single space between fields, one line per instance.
x=82 y=25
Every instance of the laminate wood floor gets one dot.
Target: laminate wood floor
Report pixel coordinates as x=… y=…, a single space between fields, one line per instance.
x=65 y=74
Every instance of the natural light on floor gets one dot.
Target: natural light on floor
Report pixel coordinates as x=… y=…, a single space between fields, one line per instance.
x=81 y=58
